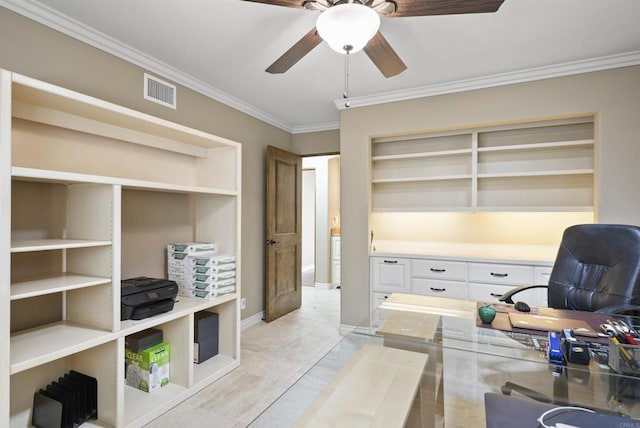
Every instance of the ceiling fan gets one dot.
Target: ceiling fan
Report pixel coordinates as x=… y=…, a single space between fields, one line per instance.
x=351 y=13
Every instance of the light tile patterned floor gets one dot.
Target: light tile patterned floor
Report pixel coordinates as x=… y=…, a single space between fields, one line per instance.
x=273 y=357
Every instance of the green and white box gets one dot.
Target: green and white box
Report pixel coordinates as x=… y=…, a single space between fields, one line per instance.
x=148 y=369
x=193 y=247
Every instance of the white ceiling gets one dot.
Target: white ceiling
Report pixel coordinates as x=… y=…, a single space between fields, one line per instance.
x=222 y=47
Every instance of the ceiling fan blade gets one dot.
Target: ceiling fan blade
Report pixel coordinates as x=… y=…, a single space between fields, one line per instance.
x=383 y=56
x=286 y=3
x=443 y=7
x=296 y=52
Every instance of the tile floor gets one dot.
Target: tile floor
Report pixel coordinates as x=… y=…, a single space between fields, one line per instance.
x=273 y=357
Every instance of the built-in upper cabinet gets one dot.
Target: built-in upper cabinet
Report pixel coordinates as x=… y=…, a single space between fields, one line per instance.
x=541 y=166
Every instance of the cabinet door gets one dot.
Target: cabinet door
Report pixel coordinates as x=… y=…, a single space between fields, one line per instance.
x=390 y=274
x=376 y=300
x=335 y=272
x=335 y=248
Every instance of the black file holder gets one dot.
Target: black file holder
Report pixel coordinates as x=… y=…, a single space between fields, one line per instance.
x=66 y=403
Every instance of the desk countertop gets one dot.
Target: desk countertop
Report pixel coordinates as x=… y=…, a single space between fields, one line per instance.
x=534 y=254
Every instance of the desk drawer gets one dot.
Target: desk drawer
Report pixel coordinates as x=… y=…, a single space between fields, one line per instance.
x=487 y=292
x=501 y=274
x=439 y=269
x=439 y=288
x=491 y=293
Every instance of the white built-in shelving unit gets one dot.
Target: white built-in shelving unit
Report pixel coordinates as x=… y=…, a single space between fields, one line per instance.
x=92 y=193
x=534 y=166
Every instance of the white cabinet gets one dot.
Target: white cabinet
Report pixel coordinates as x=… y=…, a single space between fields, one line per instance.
x=458 y=277
x=335 y=260
x=92 y=193
x=542 y=166
x=390 y=274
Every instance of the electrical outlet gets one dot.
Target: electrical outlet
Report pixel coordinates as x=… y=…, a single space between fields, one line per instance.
x=243 y=303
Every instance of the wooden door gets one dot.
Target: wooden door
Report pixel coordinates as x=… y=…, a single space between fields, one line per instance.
x=283 y=282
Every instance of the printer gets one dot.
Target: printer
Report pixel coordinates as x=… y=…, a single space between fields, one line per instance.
x=142 y=297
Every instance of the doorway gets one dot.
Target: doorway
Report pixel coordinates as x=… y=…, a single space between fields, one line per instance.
x=320 y=221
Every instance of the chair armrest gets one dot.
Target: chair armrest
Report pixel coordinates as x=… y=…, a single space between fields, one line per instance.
x=506 y=297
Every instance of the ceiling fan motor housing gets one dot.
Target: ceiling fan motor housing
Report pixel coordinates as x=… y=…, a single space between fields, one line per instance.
x=348 y=27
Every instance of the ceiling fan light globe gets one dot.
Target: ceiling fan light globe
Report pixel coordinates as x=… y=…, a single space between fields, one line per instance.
x=348 y=25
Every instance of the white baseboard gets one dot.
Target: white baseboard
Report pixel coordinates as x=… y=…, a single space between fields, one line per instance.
x=345 y=329
x=325 y=285
x=348 y=329
x=251 y=321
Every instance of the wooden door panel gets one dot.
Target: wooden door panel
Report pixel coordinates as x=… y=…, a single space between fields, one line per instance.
x=283 y=292
x=285 y=271
x=285 y=198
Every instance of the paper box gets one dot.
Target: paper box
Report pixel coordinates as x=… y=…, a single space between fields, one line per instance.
x=193 y=247
x=148 y=370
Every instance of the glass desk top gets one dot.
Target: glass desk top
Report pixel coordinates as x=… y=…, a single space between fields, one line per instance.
x=429 y=362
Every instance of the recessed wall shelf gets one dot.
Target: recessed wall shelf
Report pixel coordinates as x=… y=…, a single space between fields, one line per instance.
x=533 y=166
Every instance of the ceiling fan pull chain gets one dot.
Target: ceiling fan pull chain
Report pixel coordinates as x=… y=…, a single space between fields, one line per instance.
x=345 y=94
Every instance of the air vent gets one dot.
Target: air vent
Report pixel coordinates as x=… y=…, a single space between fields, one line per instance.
x=159 y=91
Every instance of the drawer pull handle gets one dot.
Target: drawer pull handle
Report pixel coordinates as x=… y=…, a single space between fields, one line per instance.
x=391 y=261
x=439 y=290
x=497 y=295
x=500 y=275
x=438 y=270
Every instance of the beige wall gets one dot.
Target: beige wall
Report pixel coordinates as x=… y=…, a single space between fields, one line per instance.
x=613 y=96
x=316 y=143
x=37 y=51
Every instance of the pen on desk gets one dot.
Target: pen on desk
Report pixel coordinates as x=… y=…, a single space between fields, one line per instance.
x=630 y=339
x=629 y=333
x=608 y=328
x=613 y=329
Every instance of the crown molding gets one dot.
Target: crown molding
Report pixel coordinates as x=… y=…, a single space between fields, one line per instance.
x=51 y=18
x=316 y=127
x=564 y=69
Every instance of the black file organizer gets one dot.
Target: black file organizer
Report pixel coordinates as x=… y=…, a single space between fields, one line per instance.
x=66 y=403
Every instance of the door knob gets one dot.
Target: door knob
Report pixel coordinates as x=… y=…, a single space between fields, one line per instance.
x=271 y=242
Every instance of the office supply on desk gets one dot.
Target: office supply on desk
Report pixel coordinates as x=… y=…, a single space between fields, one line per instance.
x=548 y=323
x=575 y=351
x=554 y=350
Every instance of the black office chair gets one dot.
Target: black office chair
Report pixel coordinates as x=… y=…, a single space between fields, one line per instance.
x=597 y=269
